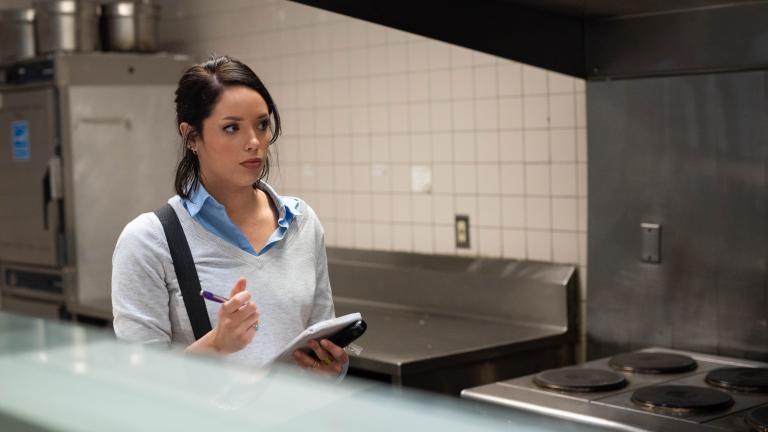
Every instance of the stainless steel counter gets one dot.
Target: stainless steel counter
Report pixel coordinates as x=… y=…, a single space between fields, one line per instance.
x=401 y=341
x=445 y=323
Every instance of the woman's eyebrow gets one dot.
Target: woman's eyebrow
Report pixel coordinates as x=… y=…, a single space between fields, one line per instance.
x=236 y=118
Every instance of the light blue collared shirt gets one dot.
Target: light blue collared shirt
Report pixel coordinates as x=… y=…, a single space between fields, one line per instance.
x=212 y=216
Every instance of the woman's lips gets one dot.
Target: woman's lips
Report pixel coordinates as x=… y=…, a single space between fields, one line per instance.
x=251 y=163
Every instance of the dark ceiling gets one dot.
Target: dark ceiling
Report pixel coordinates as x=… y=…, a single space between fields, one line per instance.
x=614 y=8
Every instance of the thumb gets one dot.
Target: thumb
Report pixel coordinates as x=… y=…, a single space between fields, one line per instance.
x=239 y=287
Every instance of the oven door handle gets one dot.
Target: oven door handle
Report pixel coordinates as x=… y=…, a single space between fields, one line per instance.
x=51 y=186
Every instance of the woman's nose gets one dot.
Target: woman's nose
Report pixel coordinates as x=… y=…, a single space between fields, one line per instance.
x=253 y=141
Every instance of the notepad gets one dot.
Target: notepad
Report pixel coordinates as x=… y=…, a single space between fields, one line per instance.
x=322 y=329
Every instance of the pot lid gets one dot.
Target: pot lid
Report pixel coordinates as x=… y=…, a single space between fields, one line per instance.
x=66 y=6
x=120 y=9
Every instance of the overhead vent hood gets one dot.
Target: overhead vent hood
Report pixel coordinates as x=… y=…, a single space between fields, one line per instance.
x=592 y=39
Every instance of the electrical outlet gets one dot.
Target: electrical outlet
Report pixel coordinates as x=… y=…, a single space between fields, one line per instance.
x=462 y=231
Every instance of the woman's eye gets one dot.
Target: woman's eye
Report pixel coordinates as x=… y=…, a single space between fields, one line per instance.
x=264 y=125
x=231 y=129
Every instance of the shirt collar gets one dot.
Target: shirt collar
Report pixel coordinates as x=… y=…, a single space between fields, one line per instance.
x=287 y=207
x=197 y=198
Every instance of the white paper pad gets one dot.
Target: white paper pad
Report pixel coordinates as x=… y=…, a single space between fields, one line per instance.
x=322 y=329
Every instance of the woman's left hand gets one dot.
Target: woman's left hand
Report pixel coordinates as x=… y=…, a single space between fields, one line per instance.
x=332 y=357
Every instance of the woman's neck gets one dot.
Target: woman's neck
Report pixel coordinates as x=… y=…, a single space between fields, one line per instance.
x=239 y=202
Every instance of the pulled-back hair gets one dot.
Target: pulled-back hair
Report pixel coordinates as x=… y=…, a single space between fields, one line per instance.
x=200 y=88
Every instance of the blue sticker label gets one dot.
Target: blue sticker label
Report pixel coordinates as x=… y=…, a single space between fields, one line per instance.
x=20 y=139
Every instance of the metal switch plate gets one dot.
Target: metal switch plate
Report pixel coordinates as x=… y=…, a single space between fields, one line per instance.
x=650 y=242
x=462 y=231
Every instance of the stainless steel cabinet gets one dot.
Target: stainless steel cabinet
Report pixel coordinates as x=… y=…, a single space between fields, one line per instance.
x=87 y=143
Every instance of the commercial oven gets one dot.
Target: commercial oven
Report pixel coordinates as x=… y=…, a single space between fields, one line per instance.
x=87 y=142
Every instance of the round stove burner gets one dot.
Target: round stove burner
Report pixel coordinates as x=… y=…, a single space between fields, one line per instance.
x=580 y=380
x=757 y=419
x=681 y=399
x=652 y=363
x=754 y=380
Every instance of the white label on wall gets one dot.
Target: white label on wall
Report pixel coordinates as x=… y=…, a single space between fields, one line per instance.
x=421 y=178
x=378 y=170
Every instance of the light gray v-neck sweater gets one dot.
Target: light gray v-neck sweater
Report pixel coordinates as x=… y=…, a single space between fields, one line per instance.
x=289 y=283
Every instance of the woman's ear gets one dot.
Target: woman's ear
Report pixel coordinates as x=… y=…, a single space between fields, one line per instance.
x=184 y=128
x=188 y=134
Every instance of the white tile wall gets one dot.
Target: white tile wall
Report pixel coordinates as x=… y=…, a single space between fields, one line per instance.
x=506 y=142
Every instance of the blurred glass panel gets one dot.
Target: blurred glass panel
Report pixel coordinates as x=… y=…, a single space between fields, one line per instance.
x=62 y=377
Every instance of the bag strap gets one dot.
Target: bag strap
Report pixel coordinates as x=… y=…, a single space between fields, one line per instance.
x=186 y=273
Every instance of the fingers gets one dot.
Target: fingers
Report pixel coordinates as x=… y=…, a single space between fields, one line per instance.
x=250 y=322
x=236 y=303
x=238 y=317
x=239 y=326
x=244 y=312
x=332 y=357
x=239 y=287
x=239 y=297
x=321 y=353
x=239 y=311
x=305 y=361
x=336 y=351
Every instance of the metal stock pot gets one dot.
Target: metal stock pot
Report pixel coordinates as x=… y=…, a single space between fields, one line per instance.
x=130 y=25
x=17 y=34
x=67 y=25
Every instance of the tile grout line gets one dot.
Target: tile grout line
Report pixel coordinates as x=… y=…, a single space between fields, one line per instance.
x=549 y=179
x=523 y=164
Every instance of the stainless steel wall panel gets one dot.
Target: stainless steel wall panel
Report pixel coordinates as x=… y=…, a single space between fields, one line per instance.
x=536 y=293
x=689 y=153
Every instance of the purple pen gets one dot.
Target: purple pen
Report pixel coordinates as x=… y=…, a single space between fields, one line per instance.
x=219 y=299
x=213 y=297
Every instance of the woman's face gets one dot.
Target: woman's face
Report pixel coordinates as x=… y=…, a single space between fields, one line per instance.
x=235 y=140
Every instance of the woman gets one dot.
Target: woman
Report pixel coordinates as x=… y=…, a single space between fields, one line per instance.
x=236 y=225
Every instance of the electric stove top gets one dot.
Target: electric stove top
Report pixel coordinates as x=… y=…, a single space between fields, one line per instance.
x=654 y=389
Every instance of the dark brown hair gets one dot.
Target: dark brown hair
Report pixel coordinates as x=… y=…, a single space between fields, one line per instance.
x=199 y=90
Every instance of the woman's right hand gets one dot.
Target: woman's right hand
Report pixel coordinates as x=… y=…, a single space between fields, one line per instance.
x=237 y=320
x=236 y=328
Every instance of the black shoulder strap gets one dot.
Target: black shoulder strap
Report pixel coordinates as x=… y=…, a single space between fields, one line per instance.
x=186 y=273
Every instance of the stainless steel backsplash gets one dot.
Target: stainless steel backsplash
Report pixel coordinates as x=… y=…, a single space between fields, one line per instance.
x=689 y=153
